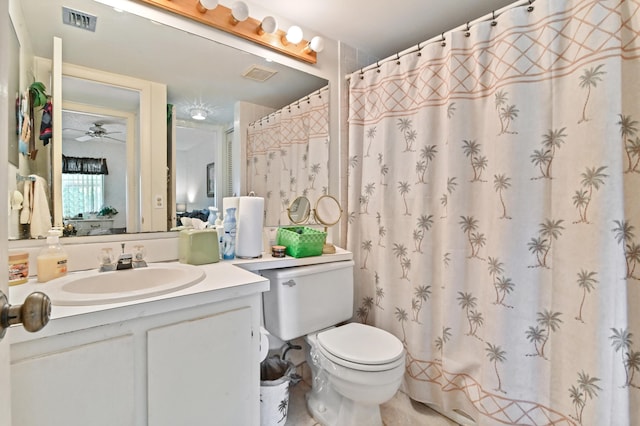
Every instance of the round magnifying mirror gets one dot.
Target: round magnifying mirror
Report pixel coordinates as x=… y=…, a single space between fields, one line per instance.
x=299 y=210
x=328 y=210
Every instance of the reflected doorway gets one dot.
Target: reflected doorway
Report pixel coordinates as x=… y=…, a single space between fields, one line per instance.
x=94 y=176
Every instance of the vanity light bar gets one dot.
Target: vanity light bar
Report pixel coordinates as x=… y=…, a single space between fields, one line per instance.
x=220 y=18
x=79 y=19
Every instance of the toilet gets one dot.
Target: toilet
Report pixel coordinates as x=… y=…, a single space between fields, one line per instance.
x=354 y=367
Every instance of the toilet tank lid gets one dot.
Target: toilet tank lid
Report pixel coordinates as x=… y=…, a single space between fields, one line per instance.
x=361 y=344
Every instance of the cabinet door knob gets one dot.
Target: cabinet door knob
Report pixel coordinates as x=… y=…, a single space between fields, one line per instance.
x=33 y=314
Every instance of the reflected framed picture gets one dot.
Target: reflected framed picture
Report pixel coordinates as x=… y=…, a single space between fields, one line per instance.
x=211 y=180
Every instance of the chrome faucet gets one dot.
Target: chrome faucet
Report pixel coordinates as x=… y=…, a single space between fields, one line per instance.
x=125 y=260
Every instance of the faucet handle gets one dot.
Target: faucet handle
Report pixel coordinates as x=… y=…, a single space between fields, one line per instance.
x=106 y=259
x=138 y=256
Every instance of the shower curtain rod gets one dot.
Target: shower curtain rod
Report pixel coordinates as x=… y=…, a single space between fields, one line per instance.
x=441 y=38
x=294 y=103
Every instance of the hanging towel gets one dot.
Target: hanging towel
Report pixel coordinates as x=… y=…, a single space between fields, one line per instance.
x=35 y=208
x=25 y=213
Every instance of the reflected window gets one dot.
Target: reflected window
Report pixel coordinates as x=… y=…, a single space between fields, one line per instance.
x=81 y=193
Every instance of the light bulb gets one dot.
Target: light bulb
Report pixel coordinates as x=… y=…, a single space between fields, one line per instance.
x=268 y=25
x=294 y=35
x=316 y=44
x=198 y=114
x=204 y=5
x=239 y=12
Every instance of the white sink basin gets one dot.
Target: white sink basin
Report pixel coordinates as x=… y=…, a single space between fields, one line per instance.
x=97 y=288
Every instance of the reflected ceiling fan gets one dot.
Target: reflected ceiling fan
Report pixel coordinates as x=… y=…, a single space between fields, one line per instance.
x=97 y=131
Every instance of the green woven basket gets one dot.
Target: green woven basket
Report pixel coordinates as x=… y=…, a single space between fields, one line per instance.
x=301 y=241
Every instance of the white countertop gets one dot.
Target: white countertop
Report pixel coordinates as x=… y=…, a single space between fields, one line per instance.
x=224 y=280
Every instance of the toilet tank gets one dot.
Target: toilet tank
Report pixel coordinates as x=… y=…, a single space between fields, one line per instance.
x=304 y=299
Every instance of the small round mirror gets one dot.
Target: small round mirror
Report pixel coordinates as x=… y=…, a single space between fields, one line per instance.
x=299 y=210
x=328 y=210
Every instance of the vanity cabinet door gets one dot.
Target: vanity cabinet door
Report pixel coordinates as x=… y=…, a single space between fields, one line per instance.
x=199 y=371
x=91 y=384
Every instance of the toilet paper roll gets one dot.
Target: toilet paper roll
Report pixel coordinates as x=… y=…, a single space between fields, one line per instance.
x=249 y=233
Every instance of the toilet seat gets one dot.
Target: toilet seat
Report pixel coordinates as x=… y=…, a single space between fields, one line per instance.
x=361 y=347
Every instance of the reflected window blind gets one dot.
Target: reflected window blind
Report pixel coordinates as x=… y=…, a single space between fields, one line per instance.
x=82 y=193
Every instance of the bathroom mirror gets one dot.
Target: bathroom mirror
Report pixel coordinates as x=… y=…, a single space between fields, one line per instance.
x=197 y=72
x=299 y=210
x=328 y=211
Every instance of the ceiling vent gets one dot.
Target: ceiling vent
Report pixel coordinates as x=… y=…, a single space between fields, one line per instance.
x=258 y=73
x=79 y=19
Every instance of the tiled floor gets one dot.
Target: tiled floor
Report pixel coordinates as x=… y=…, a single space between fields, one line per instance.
x=400 y=411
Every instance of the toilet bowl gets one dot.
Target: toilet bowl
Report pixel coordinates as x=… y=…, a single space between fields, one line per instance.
x=355 y=367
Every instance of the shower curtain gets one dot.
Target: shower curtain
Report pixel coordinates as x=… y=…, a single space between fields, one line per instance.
x=494 y=214
x=288 y=154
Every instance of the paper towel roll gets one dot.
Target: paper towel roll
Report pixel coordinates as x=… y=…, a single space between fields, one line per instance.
x=249 y=234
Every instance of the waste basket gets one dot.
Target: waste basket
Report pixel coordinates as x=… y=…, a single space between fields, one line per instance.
x=276 y=375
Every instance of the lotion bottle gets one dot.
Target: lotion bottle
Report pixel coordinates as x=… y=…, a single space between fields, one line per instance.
x=52 y=259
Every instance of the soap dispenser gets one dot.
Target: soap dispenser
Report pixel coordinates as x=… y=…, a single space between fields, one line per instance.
x=52 y=259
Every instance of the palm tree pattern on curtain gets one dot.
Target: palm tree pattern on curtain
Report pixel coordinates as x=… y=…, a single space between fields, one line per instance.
x=288 y=154
x=494 y=216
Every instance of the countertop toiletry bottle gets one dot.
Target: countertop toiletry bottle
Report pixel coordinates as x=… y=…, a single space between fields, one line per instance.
x=52 y=259
x=18 y=267
x=220 y=231
x=211 y=219
x=229 y=239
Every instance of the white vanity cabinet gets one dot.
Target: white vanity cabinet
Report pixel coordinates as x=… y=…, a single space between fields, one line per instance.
x=191 y=366
x=190 y=357
x=87 y=384
x=197 y=371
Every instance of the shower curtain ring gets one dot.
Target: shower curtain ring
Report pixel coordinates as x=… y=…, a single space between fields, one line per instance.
x=378 y=66
x=493 y=21
x=443 y=42
x=468 y=33
x=530 y=8
x=397 y=58
x=419 y=50
x=361 y=74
